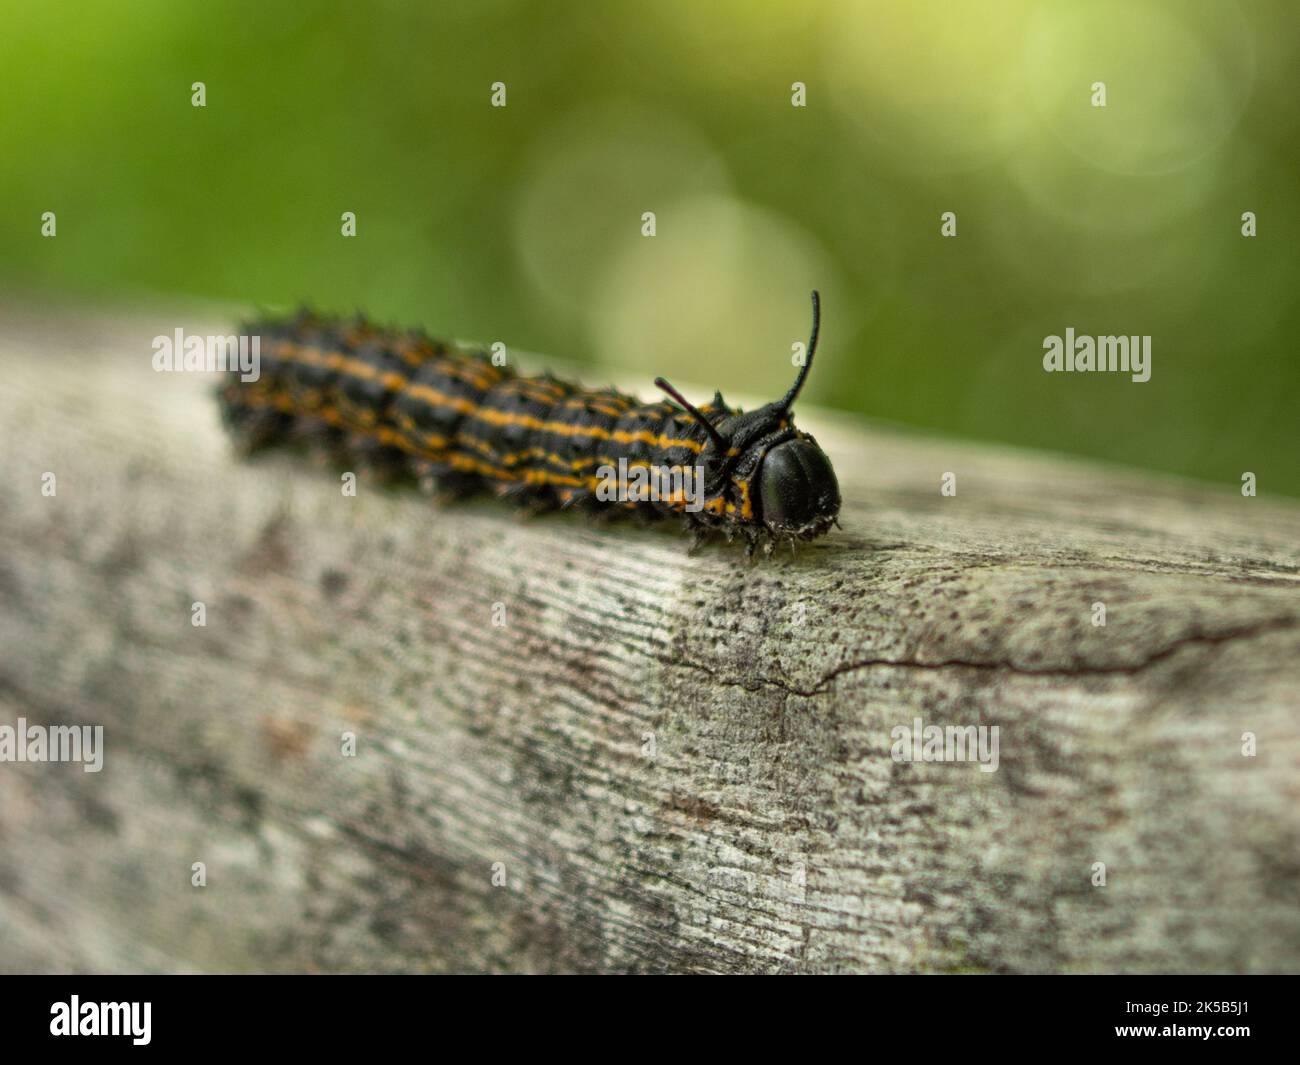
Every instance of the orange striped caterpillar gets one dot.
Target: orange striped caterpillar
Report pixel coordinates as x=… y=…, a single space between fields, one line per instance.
x=409 y=406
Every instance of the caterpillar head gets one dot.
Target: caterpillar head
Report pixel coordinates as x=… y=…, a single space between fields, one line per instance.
x=770 y=478
x=798 y=496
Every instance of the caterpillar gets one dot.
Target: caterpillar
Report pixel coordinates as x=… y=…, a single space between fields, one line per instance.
x=408 y=406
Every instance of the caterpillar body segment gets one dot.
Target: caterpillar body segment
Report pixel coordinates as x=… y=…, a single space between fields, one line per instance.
x=408 y=406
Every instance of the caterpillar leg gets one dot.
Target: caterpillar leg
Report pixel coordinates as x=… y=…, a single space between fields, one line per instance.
x=703 y=531
x=648 y=516
x=443 y=483
x=326 y=445
x=385 y=464
x=529 y=499
x=578 y=499
x=253 y=429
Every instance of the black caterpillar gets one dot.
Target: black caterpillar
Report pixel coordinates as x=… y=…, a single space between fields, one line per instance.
x=408 y=405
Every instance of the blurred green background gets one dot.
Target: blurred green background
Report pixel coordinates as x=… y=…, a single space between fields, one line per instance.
x=523 y=223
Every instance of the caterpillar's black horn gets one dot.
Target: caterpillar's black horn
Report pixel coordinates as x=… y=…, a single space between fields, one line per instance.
x=695 y=411
x=793 y=394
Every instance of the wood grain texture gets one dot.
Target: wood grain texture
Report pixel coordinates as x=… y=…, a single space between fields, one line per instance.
x=680 y=763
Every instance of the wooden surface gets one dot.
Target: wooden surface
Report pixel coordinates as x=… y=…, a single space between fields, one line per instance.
x=679 y=763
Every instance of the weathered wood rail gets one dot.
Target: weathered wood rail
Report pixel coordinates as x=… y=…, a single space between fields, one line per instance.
x=674 y=763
